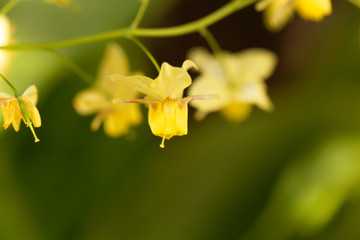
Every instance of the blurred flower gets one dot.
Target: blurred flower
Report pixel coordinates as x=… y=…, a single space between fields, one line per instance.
x=118 y=118
x=4 y=39
x=237 y=78
x=356 y=2
x=168 y=111
x=23 y=107
x=278 y=12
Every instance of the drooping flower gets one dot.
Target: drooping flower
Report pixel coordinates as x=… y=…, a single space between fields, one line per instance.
x=237 y=78
x=278 y=12
x=119 y=117
x=20 y=108
x=168 y=110
x=4 y=39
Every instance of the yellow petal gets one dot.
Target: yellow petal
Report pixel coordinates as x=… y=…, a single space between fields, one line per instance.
x=9 y=113
x=277 y=13
x=5 y=99
x=90 y=101
x=118 y=122
x=114 y=61
x=139 y=83
x=172 y=81
x=169 y=118
x=208 y=84
x=314 y=10
x=236 y=112
x=253 y=64
x=33 y=113
x=207 y=63
x=16 y=124
x=253 y=93
x=31 y=93
x=115 y=124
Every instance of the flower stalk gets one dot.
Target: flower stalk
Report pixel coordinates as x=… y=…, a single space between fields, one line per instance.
x=188 y=28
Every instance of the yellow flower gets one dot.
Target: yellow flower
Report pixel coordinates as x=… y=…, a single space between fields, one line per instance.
x=23 y=107
x=168 y=110
x=118 y=118
x=237 y=78
x=4 y=39
x=278 y=12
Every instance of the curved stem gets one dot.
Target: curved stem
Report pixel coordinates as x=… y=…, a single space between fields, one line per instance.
x=195 y=26
x=74 y=68
x=16 y=93
x=147 y=52
x=210 y=39
x=140 y=14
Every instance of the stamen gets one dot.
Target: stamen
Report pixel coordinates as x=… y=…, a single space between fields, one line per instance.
x=140 y=101
x=201 y=97
x=162 y=142
x=33 y=132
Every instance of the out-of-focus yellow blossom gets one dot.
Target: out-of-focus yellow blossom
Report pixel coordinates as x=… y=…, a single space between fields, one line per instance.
x=23 y=107
x=168 y=110
x=356 y=2
x=237 y=78
x=61 y=3
x=278 y=12
x=118 y=118
x=4 y=39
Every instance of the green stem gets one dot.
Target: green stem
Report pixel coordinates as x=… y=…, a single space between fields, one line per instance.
x=147 y=52
x=210 y=39
x=140 y=14
x=195 y=26
x=74 y=68
x=16 y=93
x=7 y=7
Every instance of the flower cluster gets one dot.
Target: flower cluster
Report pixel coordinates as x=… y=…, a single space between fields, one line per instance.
x=231 y=83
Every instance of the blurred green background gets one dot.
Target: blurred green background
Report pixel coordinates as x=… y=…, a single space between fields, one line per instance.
x=290 y=174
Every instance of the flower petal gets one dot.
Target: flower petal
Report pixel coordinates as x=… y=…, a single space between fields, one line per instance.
x=10 y=113
x=254 y=64
x=236 y=112
x=277 y=13
x=31 y=93
x=209 y=85
x=254 y=93
x=33 y=113
x=169 y=118
x=207 y=63
x=5 y=99
x=139 y=83
x=16 y=124
x=90 y=101
x=314 y=10
x=114 y=61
